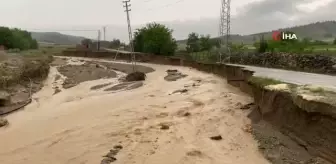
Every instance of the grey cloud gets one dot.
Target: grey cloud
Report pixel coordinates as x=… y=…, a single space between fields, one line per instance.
x=254 y=17
x=262 y=16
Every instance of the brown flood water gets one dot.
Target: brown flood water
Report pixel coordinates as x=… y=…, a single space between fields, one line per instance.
x=79 y=125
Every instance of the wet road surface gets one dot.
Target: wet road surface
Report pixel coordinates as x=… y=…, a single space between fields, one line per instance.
x=295 y=77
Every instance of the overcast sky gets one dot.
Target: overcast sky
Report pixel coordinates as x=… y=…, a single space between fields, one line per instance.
x=184 y=16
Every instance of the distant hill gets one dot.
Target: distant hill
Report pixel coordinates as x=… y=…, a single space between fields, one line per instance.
x=325 y=31
x=56 y=38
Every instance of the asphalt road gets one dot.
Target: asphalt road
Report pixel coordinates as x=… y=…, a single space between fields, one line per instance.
x=301 y=78
x=295 y=77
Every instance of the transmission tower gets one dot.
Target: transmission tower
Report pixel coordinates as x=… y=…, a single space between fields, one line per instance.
x=224 y=28
x=127 y=5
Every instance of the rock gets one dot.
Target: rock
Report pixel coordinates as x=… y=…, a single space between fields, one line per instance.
x=174 y=75
x=135 y=76
x=4 y=98
x=172 y=70
x=247 y=106
x=219 y=137
x=3 y=122
x=180 y=91
x=194 y=153
x=112 y=153
x=164 y=127
x=247 y=128
x=57 y=90
x=108 y=160
x=118 y=147
x=186 y=114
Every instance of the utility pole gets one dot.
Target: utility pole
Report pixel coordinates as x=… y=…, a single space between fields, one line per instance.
x=104 y=31
x=98 y=40
x=127 y=10
x=224 y=27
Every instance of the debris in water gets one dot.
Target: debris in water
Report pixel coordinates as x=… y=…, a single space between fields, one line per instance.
x=174 y=75
x=164 y=127
x=186 y=114
x=57 y=90
x=180 y=91
x=110 y=156
x=3 y=122
x=247 y=128
x=118 y=147
x=219 y=137
x=108 y=160
x=194 y=153
x=247 y=106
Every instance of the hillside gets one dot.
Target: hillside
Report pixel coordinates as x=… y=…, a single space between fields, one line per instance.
x=56 y=38
x=317 y=31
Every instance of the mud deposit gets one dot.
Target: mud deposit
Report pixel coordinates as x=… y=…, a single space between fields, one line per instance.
x=80 y=73
x=125 y=85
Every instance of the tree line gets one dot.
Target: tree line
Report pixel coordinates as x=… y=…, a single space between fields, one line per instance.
x=14 y=38
x=114 y=44
x=157 y=39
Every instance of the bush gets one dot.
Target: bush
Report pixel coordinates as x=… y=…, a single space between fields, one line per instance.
x=156 y=39
x=17 y=39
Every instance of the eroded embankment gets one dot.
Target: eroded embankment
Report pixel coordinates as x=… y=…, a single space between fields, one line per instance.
x=20 y=77
x=304 y=116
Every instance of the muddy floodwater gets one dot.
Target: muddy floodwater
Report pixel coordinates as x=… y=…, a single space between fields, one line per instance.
x=193 y=120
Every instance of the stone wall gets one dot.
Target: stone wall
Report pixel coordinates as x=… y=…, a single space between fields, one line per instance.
x=325 y=64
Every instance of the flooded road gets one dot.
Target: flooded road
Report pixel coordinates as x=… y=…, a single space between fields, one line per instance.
x=79 y=125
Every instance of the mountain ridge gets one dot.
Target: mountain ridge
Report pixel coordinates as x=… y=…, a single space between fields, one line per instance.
x=325 y=30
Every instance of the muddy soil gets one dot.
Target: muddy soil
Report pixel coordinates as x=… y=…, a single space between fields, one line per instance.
x=80 y=71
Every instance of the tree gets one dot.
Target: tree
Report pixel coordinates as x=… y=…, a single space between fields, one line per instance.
x=205 y=43
x=154 y=38
x=16 y=38
x=86 y=42
x=215 y=42
x=115 y=43
x=263 y=45
x=334 y=42
x=6 y=37
x=193 y=42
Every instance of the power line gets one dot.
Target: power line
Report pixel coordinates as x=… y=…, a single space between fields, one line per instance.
x=58 y=30
x=163 y=6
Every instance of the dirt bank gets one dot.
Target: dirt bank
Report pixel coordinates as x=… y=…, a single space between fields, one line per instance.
x=310 y=123
x=21 y=76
